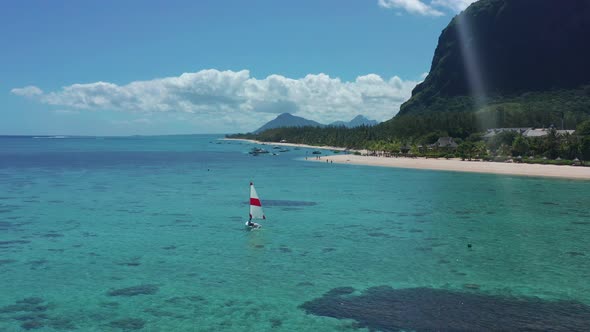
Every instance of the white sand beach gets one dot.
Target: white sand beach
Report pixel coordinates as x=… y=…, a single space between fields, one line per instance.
x=455 y=165
x=570 y=172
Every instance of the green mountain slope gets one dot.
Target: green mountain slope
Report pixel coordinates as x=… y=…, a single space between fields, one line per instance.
x=519 y=55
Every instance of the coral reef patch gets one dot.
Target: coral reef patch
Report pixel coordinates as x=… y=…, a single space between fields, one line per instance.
x=426 y=309
x=134 y=290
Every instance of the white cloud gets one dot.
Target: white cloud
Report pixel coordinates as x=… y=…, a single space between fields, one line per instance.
x=420 y=7
x=411 y=6
x=455 y=5
x=237 y=100
x=67 y=112
x=140 y=121
x=27 y=91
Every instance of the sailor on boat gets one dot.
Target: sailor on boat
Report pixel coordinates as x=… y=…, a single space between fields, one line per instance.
x=253 y=224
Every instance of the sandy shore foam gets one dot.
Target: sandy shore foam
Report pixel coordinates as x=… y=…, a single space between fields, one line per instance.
x=569 y=172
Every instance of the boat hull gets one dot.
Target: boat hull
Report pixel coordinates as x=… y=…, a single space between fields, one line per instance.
x=255 y=226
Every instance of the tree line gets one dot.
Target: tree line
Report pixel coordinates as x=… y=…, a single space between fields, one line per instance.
x=413 y=134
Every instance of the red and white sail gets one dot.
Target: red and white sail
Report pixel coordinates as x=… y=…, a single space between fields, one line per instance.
x=255 y=205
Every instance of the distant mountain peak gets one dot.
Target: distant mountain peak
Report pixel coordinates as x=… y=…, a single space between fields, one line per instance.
x=288 y=120
x=357 y=121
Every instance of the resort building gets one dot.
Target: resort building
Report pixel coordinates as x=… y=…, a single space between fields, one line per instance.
x=544 y=132
x=495 y=131
x=526 y=132
x=444 y=143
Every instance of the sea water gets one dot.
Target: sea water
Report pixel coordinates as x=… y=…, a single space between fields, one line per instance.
x=147 y=233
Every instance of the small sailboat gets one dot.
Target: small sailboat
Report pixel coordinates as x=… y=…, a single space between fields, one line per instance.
x=255 y=209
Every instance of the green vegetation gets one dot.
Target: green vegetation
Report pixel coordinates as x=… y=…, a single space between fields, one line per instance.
x=552 y=148
x=531 y=109
x=354 y=138
x=538 y=109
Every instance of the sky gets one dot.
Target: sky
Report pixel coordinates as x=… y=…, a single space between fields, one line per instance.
x=142 y=67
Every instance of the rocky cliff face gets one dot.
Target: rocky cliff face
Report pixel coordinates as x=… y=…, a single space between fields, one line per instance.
x=506 y=48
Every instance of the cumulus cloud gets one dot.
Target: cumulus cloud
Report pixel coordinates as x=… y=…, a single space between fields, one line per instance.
x=64 y=111
x=411 y=6
x=237 y=97
x=455 y=5
x=27 y=91
x=141 y=121
x=420 y=7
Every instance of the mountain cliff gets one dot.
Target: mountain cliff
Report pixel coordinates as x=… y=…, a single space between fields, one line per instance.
x=513 y=52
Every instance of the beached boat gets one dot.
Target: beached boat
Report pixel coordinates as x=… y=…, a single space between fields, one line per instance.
x=317 y=152
x=255 y=209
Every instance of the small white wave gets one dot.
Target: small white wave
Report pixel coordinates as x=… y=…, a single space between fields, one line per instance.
x=50 y=137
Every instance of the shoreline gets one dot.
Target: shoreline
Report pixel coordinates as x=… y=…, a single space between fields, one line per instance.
x=452 y=165
x=456 y=165
x=325 y=147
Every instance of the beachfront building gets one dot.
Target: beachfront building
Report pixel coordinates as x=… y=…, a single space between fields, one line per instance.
x=445 y=143
x=490 y=133
x=541 y=132
x=526 y=132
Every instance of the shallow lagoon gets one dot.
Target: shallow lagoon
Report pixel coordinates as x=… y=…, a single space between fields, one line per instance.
x=145 y=233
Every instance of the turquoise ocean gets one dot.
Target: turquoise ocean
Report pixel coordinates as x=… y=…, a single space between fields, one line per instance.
x=147 y=234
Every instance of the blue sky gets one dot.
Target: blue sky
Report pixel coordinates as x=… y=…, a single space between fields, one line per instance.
x=153 y=67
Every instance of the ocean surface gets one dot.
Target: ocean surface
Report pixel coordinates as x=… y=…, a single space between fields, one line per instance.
x=147 y=234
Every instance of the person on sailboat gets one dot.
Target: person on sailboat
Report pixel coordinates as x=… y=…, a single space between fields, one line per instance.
x=253 y=224
x=255 y=209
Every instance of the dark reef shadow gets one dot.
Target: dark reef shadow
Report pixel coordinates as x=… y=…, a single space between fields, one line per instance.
x=425 y=309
